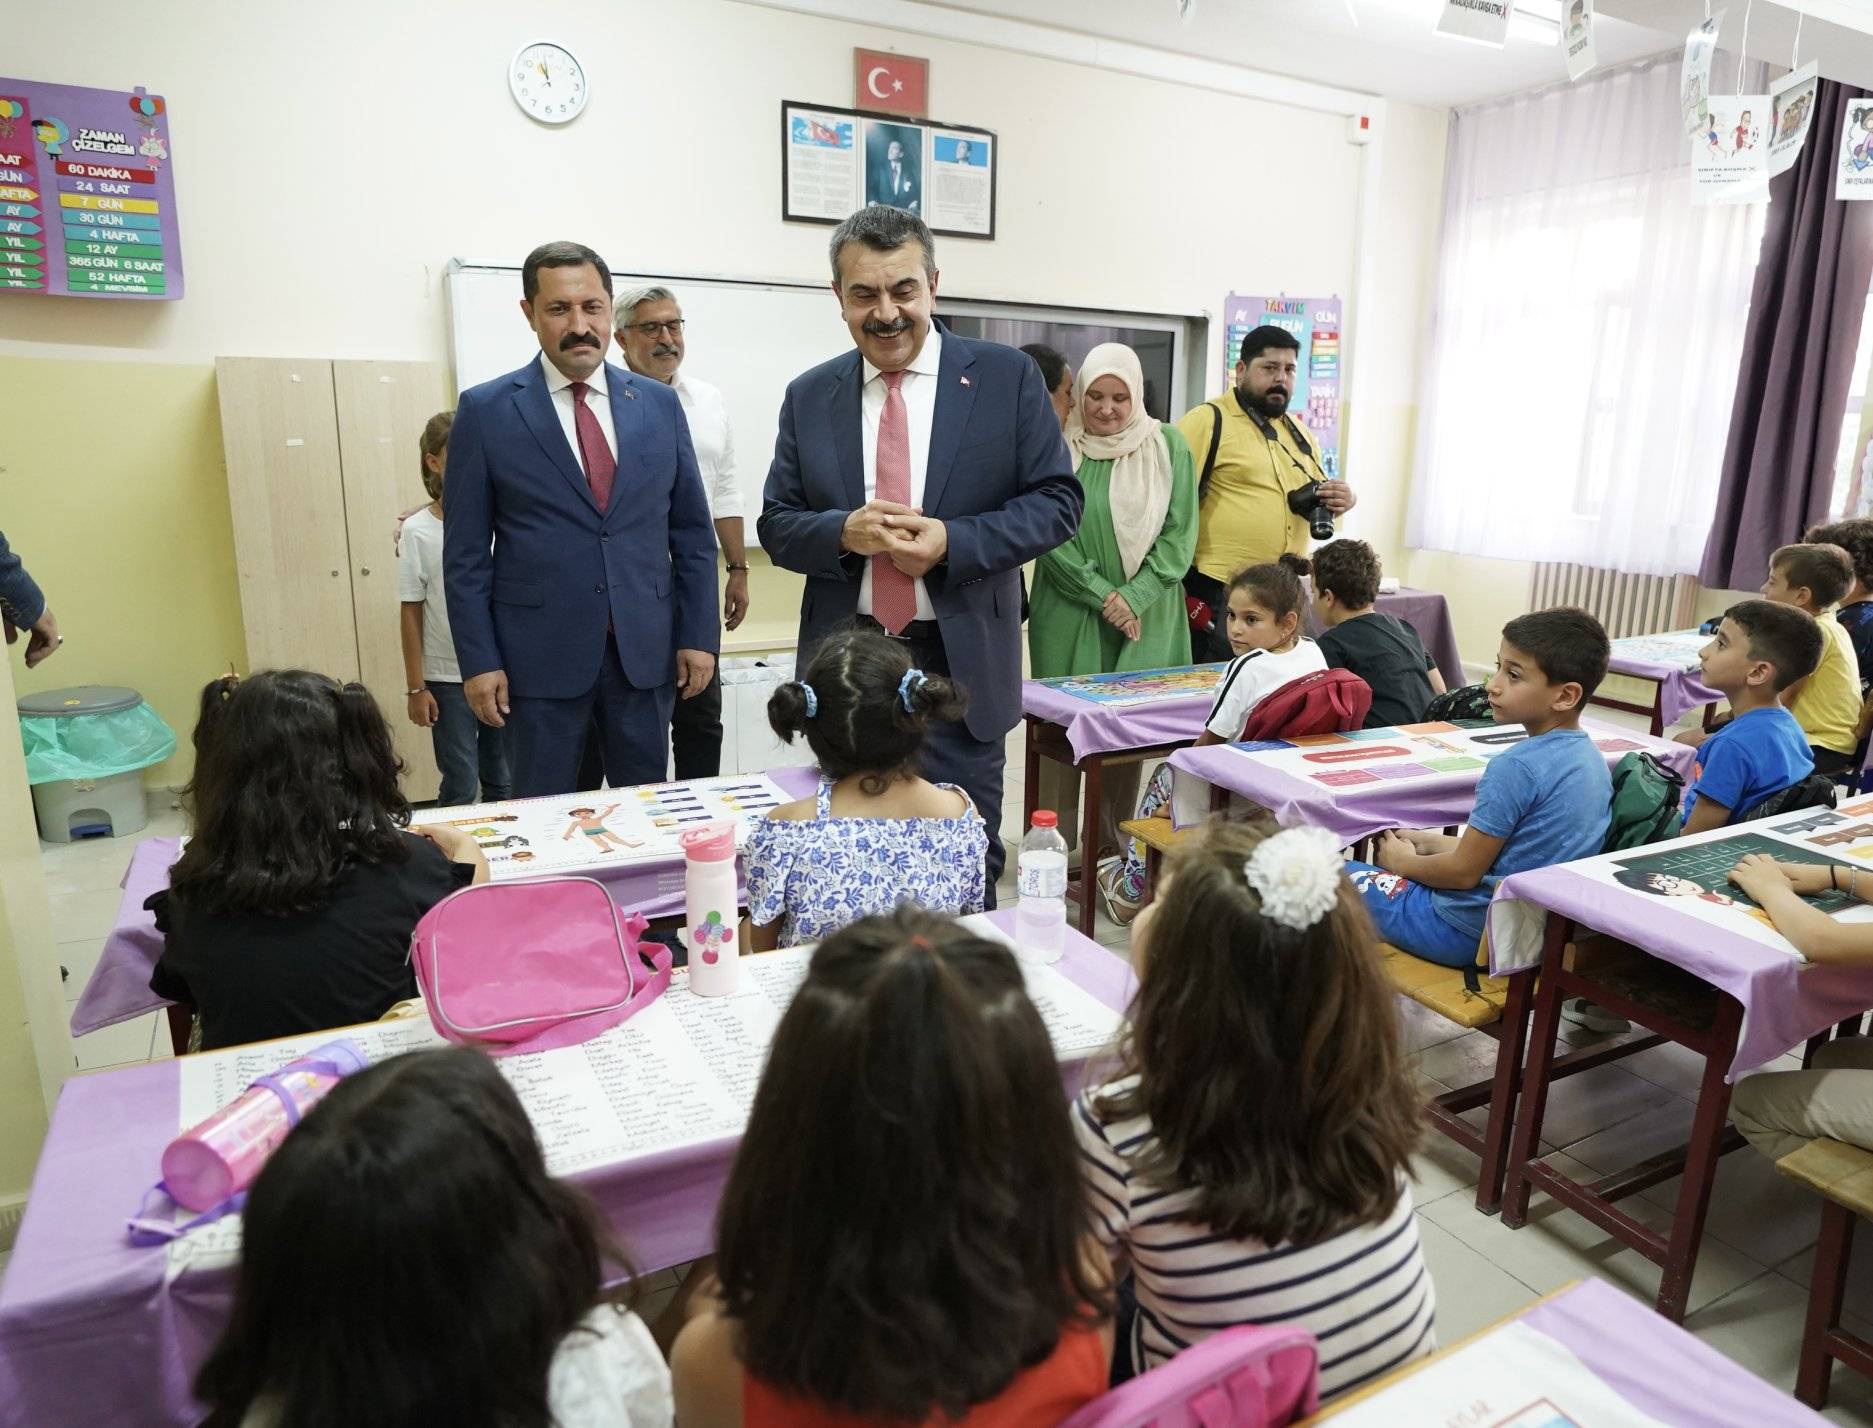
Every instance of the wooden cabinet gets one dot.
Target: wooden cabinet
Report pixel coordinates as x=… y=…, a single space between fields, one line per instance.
x=322 y=458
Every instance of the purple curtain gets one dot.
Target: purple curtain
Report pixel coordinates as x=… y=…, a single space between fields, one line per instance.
x=1797 y=362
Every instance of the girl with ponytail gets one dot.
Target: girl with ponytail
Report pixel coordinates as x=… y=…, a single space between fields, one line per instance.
x=291 y=907
x=875 y=833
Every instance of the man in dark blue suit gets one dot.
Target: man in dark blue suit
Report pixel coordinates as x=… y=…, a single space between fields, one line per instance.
x=22 y=607
x=912 y=479
x=597 y=602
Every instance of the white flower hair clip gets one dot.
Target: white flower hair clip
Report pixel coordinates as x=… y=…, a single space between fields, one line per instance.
x=1296 y=873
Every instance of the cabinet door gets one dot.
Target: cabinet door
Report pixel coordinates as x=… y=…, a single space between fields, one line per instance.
x=382 y=407
x=279 y=430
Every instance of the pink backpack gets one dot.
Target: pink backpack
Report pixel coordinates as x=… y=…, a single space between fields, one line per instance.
x=516 y=967
x=1328 y=701
x=1251 y=1376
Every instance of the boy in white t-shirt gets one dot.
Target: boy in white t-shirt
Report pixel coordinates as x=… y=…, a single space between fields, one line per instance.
x=1263 y=622
x=470 y=755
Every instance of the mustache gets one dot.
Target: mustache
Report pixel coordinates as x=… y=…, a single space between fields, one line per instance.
x=664 y=349
x=577 y=339
x=888 y=329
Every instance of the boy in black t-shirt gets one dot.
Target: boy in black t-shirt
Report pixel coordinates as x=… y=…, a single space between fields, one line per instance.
x=1384 y=652
x=1855 y=614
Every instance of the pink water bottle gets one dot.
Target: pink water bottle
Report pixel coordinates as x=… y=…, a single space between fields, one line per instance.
x=712 y=910
x=220 y=1157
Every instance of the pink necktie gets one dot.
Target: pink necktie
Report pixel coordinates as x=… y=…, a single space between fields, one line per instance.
x=893 y=593
x=600 y=465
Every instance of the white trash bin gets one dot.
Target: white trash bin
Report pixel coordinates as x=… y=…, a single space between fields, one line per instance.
x=108 y=805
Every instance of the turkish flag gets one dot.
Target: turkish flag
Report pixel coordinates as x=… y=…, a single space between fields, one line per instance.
x=896 y=84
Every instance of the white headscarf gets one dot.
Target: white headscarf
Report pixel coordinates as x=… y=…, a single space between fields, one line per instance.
x=1140 y=492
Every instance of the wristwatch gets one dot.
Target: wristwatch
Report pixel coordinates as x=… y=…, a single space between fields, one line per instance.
x=420 y=689
x=733 y=566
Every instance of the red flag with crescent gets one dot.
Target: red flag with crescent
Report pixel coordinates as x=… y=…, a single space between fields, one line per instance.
x=896 y=84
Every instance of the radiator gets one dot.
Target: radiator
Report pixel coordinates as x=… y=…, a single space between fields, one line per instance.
x=1625 y=604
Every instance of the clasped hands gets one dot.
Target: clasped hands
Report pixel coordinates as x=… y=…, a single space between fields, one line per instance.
x=914 y=542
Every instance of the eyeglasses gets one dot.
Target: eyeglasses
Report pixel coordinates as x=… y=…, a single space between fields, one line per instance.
x=651 y=329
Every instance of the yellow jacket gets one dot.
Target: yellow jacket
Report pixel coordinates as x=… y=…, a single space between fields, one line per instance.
x=1245 y=520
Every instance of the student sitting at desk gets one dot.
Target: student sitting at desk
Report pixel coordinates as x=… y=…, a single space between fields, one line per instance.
x=1827 y=703
x=291 y=908
x=1539 y=802
x=1383 y=651
x=1854 y=536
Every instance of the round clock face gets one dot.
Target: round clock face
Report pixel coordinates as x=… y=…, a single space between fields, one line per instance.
x=547 y=82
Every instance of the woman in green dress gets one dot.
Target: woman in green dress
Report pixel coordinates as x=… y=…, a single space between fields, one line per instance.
x=1112 y=597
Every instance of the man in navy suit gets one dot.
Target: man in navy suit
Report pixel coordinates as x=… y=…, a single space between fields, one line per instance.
x=22 y=607
x=912 y=479
x=597 y=602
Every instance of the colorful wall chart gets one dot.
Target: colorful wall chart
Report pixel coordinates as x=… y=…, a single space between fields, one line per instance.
x=1141 y=686
x=1315 y=322
x=87 y=193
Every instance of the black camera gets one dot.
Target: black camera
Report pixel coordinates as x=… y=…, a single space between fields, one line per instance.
x=1305 y=501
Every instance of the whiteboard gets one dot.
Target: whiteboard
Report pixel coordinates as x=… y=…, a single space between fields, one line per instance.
x=748 y=338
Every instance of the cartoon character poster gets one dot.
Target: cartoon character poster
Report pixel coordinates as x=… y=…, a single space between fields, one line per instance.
x=1730 y=151
x=1694 y=73
x=1853 y=173
x=1791 y=111
x=87 y=192
x=1577 y=36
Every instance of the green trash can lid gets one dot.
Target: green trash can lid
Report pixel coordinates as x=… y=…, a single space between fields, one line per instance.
x=84 y=699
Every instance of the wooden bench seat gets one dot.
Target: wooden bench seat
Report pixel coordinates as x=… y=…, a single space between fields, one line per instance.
x=1443 y=990
x=1842 y=1175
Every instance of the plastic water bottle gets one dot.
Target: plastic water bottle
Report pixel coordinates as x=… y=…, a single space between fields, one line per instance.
x=711 y=906
x=1041 y=914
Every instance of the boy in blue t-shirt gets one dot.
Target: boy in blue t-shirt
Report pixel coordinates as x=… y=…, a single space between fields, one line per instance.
x=1540 y=802
x=1759 y=650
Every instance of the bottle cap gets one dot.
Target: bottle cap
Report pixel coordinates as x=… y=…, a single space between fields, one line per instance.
x=711 y=843
x=1046 y=818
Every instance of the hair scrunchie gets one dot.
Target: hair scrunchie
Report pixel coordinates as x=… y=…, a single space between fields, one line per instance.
x=812 y=699
x=912 y=681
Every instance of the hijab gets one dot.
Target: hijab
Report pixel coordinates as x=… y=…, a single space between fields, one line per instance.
x=1140 y=490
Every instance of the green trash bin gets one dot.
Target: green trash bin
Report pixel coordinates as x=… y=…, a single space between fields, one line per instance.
x=85 y=752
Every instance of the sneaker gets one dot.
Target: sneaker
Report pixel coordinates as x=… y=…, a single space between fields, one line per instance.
x=1582 y=1012
x=1120 y=908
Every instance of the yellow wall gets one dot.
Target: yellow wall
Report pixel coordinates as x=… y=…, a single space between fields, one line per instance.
x=115 y=495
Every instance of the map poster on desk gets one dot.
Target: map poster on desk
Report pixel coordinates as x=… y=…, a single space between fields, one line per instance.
x=87 y=193
x=1315 y=323
x=612 y=827
x=1140 y=686
x=1675 y=649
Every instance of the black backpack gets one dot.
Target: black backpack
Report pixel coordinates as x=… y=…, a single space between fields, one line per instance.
x=1646 y=800
x=1459 y=706
x=1815 y=791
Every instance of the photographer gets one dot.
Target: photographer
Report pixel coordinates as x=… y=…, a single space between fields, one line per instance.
x=1261 y=485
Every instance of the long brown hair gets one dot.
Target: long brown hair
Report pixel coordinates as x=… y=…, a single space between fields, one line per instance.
x=1269 y=1061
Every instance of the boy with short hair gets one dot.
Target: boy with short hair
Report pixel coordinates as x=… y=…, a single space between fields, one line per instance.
x=1760 y=650
x=1384 y=652
x=1854 y=536
x=1542 y=801
x=1826 y=704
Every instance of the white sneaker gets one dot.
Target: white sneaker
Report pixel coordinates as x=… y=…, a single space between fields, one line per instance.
x=1119 y=908
x=1582 y=1012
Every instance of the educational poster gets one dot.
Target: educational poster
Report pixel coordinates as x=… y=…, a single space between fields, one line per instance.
x=1694 y=73
x=960 y=182
x=835 y=161
x=87 y=193
x=1579 y=38
x=1730 y=154
x=1410 y=753
x=1853 y=174
x=820 y=163
x=1315 y=323
x=583 y=832
x=1485 y=21
x=1143 y=686
x=894 y=164
x=1791 y=111
x=1674 y=650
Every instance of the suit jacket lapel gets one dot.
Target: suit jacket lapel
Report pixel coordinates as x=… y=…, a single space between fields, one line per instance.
x=624 y=405
x=845 y=418
x=536 y=409
x=955 y=396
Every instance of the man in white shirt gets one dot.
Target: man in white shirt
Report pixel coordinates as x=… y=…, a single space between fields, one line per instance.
x=649 y=324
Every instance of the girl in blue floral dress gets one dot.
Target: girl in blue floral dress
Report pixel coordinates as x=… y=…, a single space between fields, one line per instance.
x=875 y=834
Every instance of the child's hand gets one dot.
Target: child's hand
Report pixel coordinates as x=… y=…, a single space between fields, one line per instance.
x=1394 y=853
x=1759 y=875
x=456 y=845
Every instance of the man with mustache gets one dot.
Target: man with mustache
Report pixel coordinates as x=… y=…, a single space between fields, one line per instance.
x=1253 y=453
x=649 y=324
x=597 y=602
x=912 y=479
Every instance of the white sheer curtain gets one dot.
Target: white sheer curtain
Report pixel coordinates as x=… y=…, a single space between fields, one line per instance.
x=1585 y=334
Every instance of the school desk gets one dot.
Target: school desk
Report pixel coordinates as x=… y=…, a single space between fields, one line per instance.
x=1669 y=663
x=1425 y=611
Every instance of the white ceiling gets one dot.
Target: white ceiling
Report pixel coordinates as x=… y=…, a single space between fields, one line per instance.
x=1392 y=49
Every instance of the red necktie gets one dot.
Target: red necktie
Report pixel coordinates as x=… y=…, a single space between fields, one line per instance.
x=893 y=593
x=600 y=465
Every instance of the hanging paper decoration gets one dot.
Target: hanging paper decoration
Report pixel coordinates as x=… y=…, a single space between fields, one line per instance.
x=1791 y=111
x=1486 y=21
x=1578 y=37
x=1694 y=76
x=1730 y=157
x=1853 y=173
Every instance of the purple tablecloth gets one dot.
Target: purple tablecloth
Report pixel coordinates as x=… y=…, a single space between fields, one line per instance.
x=1679 y=689
x=1360 y=810
x=91 y=1333
x=119 y=989
x=1428 y=613
x=1093 y=728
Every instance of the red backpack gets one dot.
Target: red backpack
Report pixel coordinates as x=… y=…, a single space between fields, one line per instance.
x=1328 y=701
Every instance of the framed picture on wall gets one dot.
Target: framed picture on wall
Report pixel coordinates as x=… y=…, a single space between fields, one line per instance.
x=836 y=160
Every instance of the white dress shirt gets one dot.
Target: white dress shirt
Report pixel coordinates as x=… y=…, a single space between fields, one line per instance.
x=559 y=387
x=715 y=445
x=919 y=390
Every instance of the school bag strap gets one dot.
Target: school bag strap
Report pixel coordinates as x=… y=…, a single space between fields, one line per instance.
x=1209 y=461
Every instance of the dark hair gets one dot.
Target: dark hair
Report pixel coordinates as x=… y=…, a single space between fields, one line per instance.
x=1781 y=635
x=560 y=254
x=1348 y=570
x=1567 y=643
x=1825 y=571
x=1052 y=362
x=1265 y=337
x=883 y=229
x=295 y=776
x=1644 y=879
x=215 y=696
x=433 y=442
x=860 y=725
x=1855 y=536
x=406 y=1258
x=1303 y=1129
x=911 y=1131
x=1276 y=586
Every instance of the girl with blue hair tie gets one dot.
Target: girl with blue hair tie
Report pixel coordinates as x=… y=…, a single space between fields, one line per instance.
x=876 y=833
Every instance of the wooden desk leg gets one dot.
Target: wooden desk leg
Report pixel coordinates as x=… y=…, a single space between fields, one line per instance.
x=1816 y=1365
x=1503 y=1089
x=1525 y=1146
x=1700 y=1163
x=1092 y=787
x=1658 y=709
x=181 y=1022
x=1031 y=782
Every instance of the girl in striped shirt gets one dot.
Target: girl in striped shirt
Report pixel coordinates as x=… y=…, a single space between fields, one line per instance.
x=1248 y=1166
